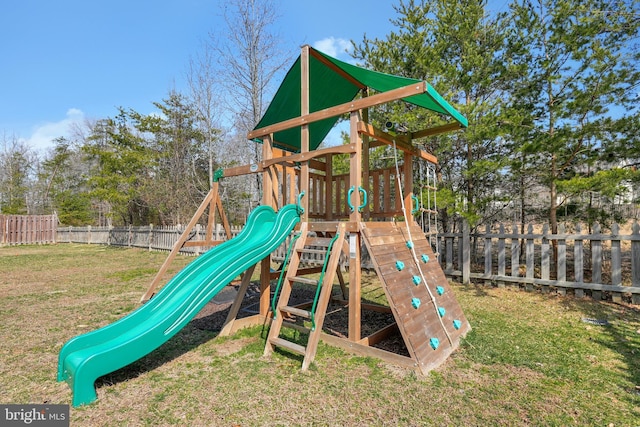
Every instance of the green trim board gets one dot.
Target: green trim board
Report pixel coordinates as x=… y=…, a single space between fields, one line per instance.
x=87 y=357
x=334 y=82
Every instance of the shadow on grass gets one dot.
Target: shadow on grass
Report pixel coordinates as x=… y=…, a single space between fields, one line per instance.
x=620 y=323
x=189 y=338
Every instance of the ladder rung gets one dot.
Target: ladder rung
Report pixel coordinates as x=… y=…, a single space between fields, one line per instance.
x=318 y=241
x=296 y=311
x=296 y=348
x=297 y=327
x=304 y=280
x=313 y=251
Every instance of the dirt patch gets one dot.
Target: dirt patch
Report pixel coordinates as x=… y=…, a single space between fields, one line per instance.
x=214 y=314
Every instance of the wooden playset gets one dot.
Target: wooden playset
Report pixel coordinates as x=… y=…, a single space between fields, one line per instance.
x=342 y=212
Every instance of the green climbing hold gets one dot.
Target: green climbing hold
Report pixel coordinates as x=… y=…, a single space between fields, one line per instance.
x=440 y=290
x=441 y=311
x=416 y=280
x=457 y=324
x=425 y=258
x=415 y=302
x=434 y=343
x=399 y=265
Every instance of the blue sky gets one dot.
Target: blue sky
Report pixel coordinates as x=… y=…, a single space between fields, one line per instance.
x=67 y=60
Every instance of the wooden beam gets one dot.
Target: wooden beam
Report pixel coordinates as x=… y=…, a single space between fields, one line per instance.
x=348 y=107
x=403 y=143
x=436 y=130
x=303 y=157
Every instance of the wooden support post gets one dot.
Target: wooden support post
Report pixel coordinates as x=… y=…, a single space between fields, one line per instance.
x=408 y=186
x=304 y=132
x=355 y=181
x=267 y=200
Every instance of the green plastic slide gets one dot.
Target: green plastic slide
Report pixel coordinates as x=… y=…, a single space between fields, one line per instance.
x=85 y=358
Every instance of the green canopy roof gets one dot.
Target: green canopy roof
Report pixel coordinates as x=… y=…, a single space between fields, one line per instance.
x=334 y=85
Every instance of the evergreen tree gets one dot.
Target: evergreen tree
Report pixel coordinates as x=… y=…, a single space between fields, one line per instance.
x=573 y=69
x=455 y=46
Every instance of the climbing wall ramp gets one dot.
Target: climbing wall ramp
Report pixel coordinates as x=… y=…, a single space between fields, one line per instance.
x=431 y=331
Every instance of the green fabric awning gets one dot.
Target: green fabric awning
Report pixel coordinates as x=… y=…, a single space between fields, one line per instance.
x=328 y=88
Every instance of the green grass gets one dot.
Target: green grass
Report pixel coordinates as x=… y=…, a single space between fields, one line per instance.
x=529 y=360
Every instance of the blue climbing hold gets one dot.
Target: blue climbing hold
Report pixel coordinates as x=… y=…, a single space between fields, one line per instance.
x=441 y=311
x=410 y=244
x=457 y=324
x=425 y=258
x=415 y=302
x=399 y=265
x=416 y=280
x=434 y=342
x=440 y=290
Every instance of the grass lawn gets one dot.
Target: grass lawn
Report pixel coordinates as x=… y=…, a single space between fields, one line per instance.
x=531 y=359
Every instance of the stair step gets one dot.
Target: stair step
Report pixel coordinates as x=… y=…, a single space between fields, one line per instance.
x=318 y=241
x=291 y=325
x=304 y=280
x=312 y=251
x=296 y=348
x=296 y=311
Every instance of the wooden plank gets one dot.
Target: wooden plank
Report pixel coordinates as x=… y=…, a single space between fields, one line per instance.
x=578 y=259
x=349 y=107
x=449 y=127
x=402 y=142
x=545 y=255
x=635 y=256
x=596 y=259
x=380 y=335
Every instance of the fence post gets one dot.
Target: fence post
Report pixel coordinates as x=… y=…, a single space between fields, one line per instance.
x=150 y=237
x=544 y=257
x=466 y=255
x=88 y=234
x=515 y=253
x=578 y=262
x=561 y=266
x=197 y=248
x=530 y=254
x=616 y=262
x=502 y=261
x=448 y=253
x=596 y=260
x=635 y=261
x=487 y=256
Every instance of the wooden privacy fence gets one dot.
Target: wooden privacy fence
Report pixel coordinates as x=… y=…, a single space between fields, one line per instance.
x=146 y=237
x=595 y=263
x=162 y=239
x=27 y=229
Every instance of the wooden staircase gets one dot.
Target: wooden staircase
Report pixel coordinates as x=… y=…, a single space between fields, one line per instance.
x=285 y=315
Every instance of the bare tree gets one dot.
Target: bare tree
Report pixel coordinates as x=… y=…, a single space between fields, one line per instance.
x=248 y=56
x=204 y=92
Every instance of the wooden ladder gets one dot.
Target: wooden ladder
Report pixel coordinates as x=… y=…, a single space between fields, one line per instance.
x=285 y=314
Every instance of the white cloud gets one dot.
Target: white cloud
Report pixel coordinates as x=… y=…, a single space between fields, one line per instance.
x=333 y=46
x=43 y=135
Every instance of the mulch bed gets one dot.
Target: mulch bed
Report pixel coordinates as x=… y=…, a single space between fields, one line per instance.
x=214 y=314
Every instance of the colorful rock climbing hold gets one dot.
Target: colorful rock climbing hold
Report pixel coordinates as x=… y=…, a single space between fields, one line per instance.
x=441 y=311
x=434 y=343
x=457 y=324
x=425 y=258
x=410 y=244
x=415 y=302
x=416 y=280
x=440 y=290
x=399 y=265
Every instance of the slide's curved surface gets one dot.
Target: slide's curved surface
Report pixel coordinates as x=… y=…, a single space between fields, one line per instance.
x=87 y=357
